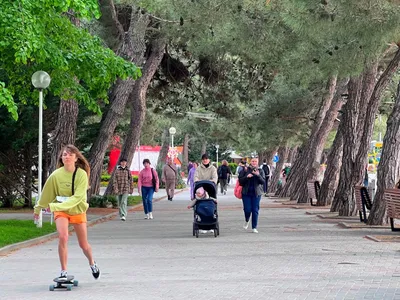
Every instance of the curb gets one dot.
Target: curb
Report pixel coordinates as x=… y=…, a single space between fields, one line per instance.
x=48 y=237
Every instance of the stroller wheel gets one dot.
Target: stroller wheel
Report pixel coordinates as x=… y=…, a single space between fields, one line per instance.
x=197 y=233
x=215 y=232
x=194 y=230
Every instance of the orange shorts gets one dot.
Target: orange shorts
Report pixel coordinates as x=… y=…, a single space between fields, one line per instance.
x=75 y=219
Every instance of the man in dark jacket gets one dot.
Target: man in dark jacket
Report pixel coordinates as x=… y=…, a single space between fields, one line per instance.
x=267 y=172
x=223 y=173
x=252 y=180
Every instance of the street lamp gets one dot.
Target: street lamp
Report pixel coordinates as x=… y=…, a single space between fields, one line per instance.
x=172 y=132
x=40 y=81
x=217 y=147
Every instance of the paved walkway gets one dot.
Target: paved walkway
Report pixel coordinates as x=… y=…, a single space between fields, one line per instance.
x=295 y=256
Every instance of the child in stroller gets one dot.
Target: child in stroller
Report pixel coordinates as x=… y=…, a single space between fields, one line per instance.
x=205 y=208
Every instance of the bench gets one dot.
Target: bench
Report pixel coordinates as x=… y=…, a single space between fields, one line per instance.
x=363 y=202
x=392 y=198
x=314 y=189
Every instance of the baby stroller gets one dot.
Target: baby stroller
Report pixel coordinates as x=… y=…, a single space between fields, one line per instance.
x=205 y=210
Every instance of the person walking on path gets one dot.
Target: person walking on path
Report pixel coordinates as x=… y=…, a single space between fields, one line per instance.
x=190 y=179
x=252 y=180
x=267 y=172
x=148 y=184
x=123 y=186
x=206 y=171
x=65 y=193
x=169 y=177
x=223 y=174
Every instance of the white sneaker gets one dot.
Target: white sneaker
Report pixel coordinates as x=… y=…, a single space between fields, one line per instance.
x=211 y=231
x=202 y=231
x=246 y=224
x=146 y=216
x=255 y=230
x=150 y=215
x=123 y=218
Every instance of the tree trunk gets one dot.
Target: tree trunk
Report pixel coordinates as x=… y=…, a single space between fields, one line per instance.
x=65 y=131
x=296 y=180
x=373 y=93
x=185 y=154
x=203 y=147
x=283 y=153
x=331 y=177
x=164 y=147
x=314 y=156
x=292 y=154
x=345 y=191
x=138 y=103
x=28 y=178
x=132 y=47
x=388 y=170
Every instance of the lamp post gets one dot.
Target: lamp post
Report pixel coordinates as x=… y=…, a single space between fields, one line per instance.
x=217 y=147
x=40 y=81
x=172 y=132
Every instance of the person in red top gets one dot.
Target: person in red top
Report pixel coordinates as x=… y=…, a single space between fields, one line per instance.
x=148 y=183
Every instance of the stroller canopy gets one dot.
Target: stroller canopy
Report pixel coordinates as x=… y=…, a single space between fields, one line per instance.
x=208 y=186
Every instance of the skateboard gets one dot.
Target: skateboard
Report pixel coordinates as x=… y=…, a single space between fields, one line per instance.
x=65 y=284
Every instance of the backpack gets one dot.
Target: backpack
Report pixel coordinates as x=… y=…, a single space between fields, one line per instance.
x=266 y=170
x=238 y=190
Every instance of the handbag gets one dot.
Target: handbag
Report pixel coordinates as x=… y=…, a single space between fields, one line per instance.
x=238 y=190
x=153 y=179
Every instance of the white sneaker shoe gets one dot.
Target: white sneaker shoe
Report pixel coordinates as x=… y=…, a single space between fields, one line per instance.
x=123 y=218
x=246 y=224
x=255 y=230
x=202 y=231
x=146 y=216
x=150 y=215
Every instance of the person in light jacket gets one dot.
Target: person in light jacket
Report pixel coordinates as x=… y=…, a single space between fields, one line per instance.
x=206 y=171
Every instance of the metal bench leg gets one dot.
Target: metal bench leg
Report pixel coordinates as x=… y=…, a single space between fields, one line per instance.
x=360 y=214
x=365 y=213
x=392 y=225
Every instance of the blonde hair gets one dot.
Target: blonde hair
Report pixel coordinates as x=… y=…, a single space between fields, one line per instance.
x=81 y=162
x=224 y=162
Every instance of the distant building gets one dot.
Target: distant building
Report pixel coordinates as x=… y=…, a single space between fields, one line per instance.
x=142 y=152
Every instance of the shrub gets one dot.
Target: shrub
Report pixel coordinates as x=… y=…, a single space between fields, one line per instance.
x=233 y=167
x=103 y=201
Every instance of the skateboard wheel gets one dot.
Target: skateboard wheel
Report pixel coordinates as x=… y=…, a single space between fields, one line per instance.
x=75 y=282
x=69 y=287
x=51 y=287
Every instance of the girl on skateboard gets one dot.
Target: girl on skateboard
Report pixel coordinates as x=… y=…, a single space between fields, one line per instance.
x=65 y=194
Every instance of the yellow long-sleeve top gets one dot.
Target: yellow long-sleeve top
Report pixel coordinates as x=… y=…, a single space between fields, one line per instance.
x=59 y=183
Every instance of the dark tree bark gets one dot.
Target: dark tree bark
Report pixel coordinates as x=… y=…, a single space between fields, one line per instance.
x=185 y=154
x=292 y=154
x=164 y=147
x=28 y=178
x=65 y=131
x=314 y=156
x=296 y=179
x=283 y=153
x=388 y=170
x=203 y=147
x=373 y=93
x=349 y=124
x=331 y=176
x=138 y=102
x=131 y=46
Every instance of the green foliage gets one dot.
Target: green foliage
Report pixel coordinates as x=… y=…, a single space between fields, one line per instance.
x=39 y=35
x=15 y=231
x=103 y=201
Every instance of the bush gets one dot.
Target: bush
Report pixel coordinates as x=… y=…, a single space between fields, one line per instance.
x=105 y=177
x=233 y=167
x=103 y=201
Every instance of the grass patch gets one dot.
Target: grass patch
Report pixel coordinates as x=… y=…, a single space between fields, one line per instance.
x=15 y=231
x=133 y=200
